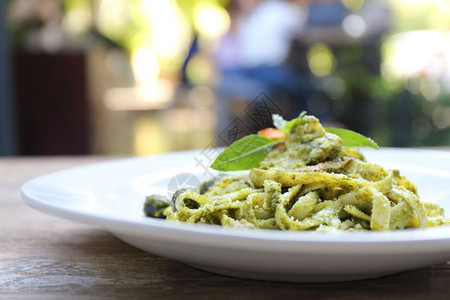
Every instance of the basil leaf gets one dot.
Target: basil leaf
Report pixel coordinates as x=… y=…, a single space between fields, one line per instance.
x=351 y=138
x=244 y=154
x=287 y=127
x=249 y=151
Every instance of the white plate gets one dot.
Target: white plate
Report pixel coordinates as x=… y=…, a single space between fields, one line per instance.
x=111 y=195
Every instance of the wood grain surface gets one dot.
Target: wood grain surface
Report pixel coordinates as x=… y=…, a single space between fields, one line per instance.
x=44 y=257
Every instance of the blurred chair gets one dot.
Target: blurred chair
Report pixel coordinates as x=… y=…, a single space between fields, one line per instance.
x=52 y=103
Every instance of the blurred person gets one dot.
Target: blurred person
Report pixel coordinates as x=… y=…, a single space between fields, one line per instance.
x=252 y=55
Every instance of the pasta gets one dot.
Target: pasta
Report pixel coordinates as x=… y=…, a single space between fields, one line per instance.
x=309 y=182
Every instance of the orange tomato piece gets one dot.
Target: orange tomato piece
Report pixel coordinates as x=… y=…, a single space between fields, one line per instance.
x=273 y=134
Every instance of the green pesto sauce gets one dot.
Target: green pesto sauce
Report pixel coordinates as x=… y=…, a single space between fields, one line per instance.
x=306 y=144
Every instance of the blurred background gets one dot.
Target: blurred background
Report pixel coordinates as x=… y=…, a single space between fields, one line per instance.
x=141 y=77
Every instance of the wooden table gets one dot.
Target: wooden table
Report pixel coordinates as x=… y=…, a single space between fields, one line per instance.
x=44 y=257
